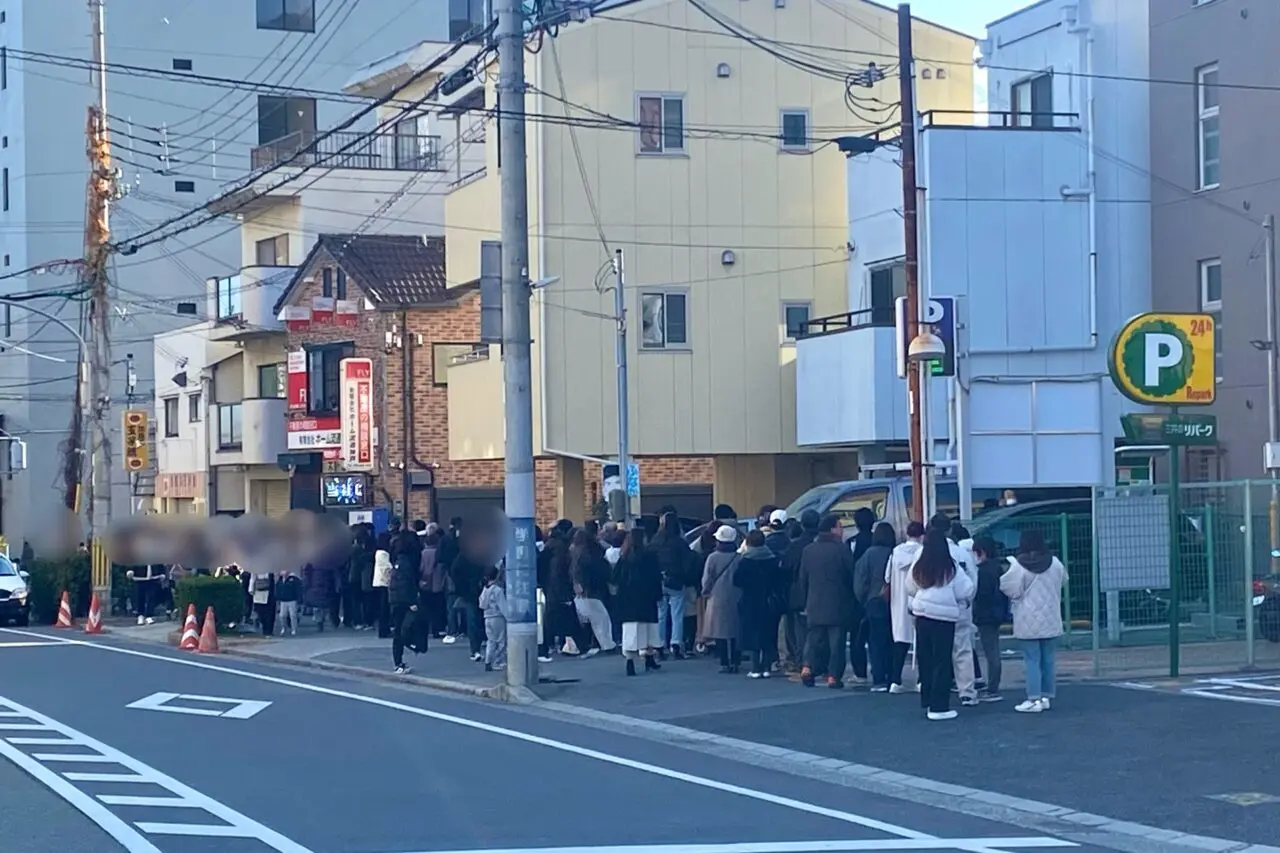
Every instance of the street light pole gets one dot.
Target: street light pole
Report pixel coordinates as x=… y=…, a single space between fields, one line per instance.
x=911 y=259
x=624 y=408
x=1273 y=415
x=521 y=565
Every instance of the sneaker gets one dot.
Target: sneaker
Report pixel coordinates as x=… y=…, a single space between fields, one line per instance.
x=942 y=715
x=897 y=688
x=142 y=620
x=544 y=658
x=1029 y=706
x=881 y=688
x=294 y=632
x=477 y=657
x=765 y=674
x=449 y=639
x=754 y=674
x=969 y=701
x=592 y=652
x=1045 y=704
x=988 y=696
x=402 y=670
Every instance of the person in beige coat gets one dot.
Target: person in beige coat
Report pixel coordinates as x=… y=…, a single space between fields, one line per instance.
x=1033 y=585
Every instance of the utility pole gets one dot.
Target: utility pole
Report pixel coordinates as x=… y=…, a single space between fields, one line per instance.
x=1273 y=413
x=101 y=192
x=517 y=369
x=624 y=407
x=911 y=264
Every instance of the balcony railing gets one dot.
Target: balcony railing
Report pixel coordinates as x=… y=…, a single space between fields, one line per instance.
x=351 y=149
x=868 y=318
x=1007 y=119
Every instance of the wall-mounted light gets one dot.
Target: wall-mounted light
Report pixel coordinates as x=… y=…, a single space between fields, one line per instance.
x=722 y=70
x=728 y=258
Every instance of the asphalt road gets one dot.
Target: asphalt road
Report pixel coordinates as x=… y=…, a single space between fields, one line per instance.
x=259 y=760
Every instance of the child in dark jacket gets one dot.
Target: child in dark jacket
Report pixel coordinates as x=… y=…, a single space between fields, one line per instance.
x=990 y=611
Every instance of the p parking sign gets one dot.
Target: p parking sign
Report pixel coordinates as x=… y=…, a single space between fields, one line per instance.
x=1166 y=359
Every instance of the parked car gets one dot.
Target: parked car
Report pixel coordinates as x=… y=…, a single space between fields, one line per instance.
x=14 y=606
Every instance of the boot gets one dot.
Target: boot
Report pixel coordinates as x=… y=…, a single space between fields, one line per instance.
x=651 y=663
x=631 y=667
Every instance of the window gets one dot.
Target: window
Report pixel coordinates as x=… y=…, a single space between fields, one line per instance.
x=341 y=291
x=886 y=281
x=272 y=252
x=465 y=17
x=794 y=317
x=194 y=412
x=229 y=434
x=4 y=188
x=661 y=122
x=279 y=117
x=1211 y=301
x=326 y=283
x=4 y=68
x=182 y=65
x=1031 y=102
x=184 y=186
x=665 y=320
x=271 y=380
x=323 y=378
x=1207 y=136
x=297 y=16
x=874 y=499
x=795 y=130
x=171 y=417
x=229 y=297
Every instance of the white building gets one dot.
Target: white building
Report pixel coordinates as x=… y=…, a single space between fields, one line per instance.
x=178 y=143
x=1046 y=262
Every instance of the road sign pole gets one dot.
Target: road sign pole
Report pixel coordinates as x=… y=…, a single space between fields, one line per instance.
x=1175 y=561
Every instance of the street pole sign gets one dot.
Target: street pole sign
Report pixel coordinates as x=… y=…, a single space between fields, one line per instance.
x=940 y=318
x=1161 y=359
x=1166 y=359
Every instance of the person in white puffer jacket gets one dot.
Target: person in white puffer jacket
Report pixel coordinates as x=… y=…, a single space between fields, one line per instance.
x=938 y=592
x=1033 y=585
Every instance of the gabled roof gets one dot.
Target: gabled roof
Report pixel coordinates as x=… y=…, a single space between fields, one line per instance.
x=396 y=270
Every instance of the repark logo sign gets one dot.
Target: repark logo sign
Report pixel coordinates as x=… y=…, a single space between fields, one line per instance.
x=1166 y=359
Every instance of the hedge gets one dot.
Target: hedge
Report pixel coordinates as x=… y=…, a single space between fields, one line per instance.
x=224 y=595
x=48 y=578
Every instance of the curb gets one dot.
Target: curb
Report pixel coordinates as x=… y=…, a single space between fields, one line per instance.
x=877 y=780
x=500 y=692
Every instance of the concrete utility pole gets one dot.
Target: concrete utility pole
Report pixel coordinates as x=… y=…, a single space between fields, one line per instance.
x=101 y=192
x=911 y=264
x=624 y=406
x=1273 y=413
x=517 y=369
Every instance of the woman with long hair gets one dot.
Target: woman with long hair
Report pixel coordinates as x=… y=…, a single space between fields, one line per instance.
x=677 y=562
x=638 y=578
x=936 y=589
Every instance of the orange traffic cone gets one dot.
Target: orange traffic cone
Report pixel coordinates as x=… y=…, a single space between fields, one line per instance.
x=93 y=625
x=190 y=631
x=64 y=612
x=208 y=635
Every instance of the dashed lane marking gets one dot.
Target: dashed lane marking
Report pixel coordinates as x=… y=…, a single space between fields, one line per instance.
x=46 y=768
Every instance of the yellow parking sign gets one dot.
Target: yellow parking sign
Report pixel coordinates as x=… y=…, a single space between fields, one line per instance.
x=1167 y=359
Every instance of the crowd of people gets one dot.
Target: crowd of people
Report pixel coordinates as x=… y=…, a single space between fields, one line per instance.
x=788 y=596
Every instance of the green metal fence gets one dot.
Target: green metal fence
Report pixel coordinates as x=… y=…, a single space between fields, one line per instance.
x=1120 y=606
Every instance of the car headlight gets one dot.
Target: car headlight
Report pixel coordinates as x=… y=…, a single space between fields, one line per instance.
x=19 y=594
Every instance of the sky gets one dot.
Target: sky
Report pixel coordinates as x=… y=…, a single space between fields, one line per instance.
x=970 y=16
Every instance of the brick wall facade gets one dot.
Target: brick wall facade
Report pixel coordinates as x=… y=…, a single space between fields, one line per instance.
x=453 y=323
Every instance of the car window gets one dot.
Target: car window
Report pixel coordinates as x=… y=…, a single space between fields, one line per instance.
x=874 y=499
x=1006 y=536
x=813 y=499
x=7 y=568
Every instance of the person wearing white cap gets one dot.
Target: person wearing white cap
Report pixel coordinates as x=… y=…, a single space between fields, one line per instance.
x=721 y=622
x=775 y=536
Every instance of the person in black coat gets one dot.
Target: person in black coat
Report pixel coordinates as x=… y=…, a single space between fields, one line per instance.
x=797 y=628
x=403 y=598
x=764 y=596
x=870 y=589
x=638 y=578
x=826 y=578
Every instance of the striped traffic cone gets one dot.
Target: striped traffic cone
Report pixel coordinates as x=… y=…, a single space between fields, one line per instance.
x=190 y=631
x=208 y=635
x=93 y=625
x=64 y=612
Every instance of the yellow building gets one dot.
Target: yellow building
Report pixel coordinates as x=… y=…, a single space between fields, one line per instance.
x=703 y=156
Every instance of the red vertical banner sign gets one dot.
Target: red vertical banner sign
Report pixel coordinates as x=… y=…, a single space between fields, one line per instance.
x=296 y=382
x=357 y=414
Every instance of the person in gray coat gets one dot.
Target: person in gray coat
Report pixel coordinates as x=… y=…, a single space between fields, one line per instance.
x=723 y=596
x=826 y=582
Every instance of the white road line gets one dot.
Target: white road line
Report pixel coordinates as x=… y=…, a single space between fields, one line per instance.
x=71 y=758
x=573 y=749
x=1242 y=684
x=30 y=644
x=22 y=727
x=1228 y=697
x=133 y=838
x=40 y=741
x=800 y=846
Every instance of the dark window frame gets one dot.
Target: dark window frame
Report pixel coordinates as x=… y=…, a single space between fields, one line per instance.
x=324 y=378
x=171 y=427
x=673 y=339
x=291 y=16
x=230 y=426
x=263 y=391
x=195 y=411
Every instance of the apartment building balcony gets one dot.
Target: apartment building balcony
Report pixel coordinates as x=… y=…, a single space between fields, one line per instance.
x=242 y=305
x=848 y=391
x=351 y=149
x=250 y=432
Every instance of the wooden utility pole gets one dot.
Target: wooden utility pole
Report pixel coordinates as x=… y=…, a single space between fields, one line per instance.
x=911 y=265
x=101 y=192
